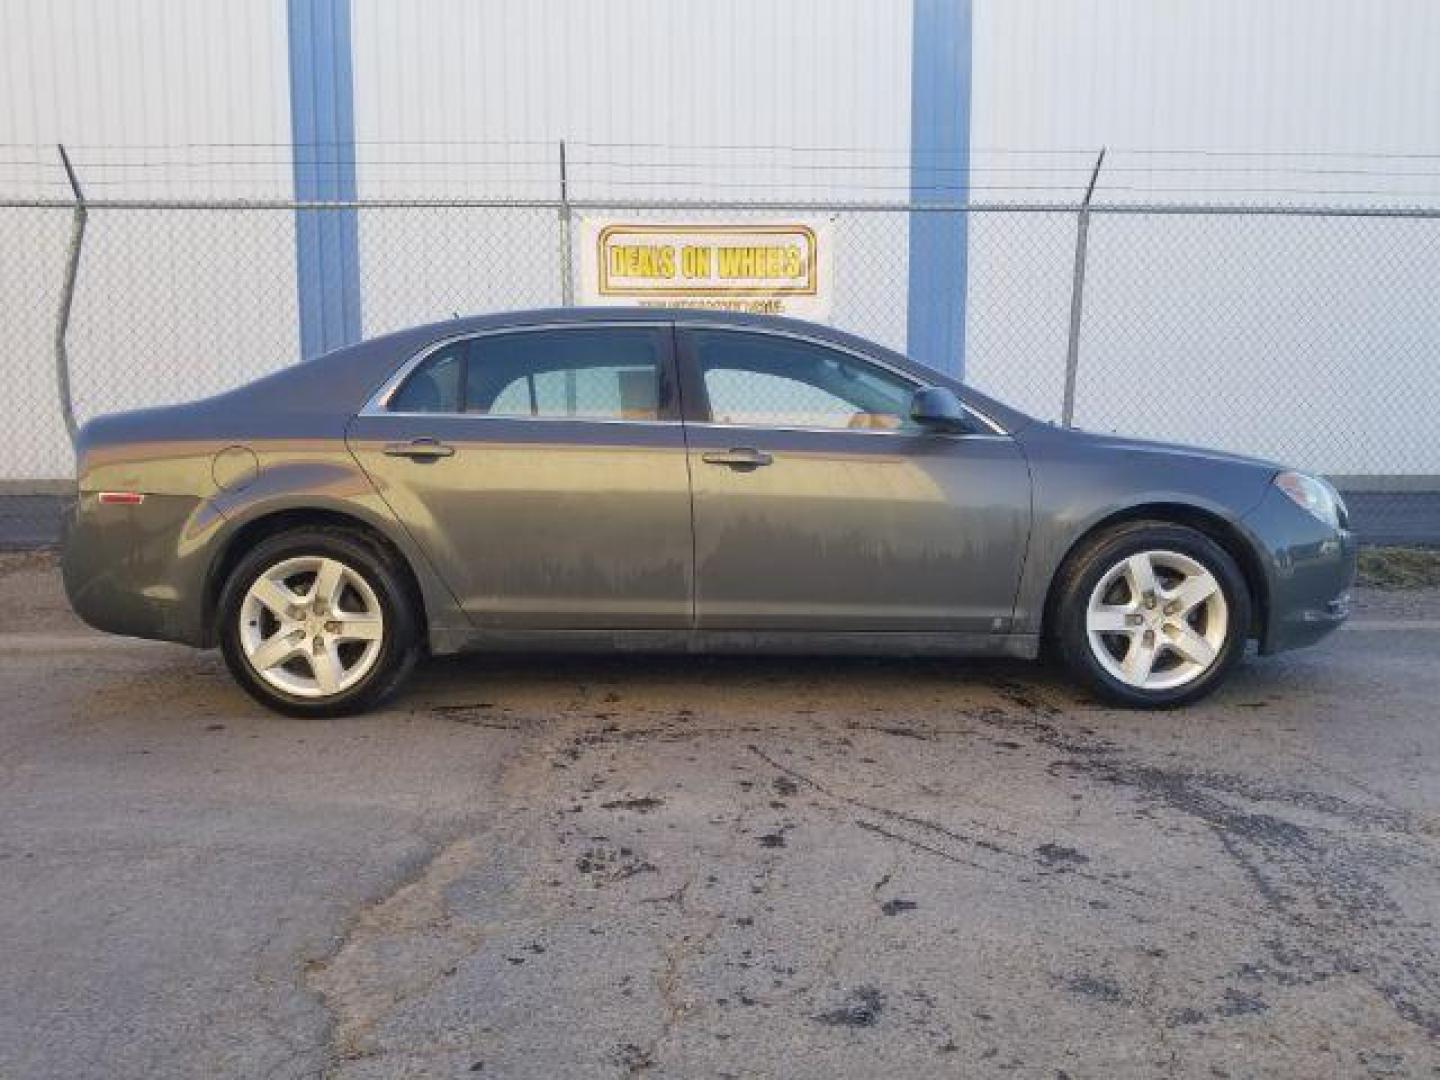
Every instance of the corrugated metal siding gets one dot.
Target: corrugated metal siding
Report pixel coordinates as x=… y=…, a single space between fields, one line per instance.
x=654 y=97
x=1284 y=327
x=1347 y=79
x=156 y=98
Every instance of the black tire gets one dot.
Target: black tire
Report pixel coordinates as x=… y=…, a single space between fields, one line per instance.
x=401 y=638
x=1084 y=571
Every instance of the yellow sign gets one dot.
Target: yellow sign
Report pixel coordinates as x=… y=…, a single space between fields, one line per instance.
x=778 y=268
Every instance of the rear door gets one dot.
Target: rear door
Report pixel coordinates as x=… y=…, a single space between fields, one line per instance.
x=820 y=506
x=543 y=472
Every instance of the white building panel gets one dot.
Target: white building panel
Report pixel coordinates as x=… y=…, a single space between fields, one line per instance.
x=1196 y=98
x=156 y=100
x=654 y=100
x=1303 y=338
x=747 y=99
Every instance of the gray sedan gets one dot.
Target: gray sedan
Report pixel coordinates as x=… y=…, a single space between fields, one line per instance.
x=677 y=480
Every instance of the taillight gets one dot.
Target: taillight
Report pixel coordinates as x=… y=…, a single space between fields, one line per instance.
x=121 y=498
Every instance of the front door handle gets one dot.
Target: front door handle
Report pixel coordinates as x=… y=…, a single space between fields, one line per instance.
x=740 y=457
x=419 y=449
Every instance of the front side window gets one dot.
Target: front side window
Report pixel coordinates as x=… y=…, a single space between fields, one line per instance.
x=757 y=380
x=599 y=373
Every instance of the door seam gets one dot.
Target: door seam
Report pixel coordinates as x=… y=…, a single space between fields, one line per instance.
x=675 y=367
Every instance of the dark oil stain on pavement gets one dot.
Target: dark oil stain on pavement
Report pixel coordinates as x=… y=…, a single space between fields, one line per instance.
x=1324 y=886
x=861 y=1009
x=1057 y=856
x=1097 y=987
x=641 y=805
x=895 y=907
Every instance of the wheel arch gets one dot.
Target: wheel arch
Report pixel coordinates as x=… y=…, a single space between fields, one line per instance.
x=274 y=522
x=1215 y=526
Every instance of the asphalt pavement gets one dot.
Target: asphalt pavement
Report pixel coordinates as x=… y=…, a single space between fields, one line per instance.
x=681 y=867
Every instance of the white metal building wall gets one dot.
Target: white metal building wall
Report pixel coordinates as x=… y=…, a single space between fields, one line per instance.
x=181 y=97
x=707 y=96
x=176 y=99
x=694 y=98
x=654 y=99
x=1333 y=102
x=1247 y=75
x=169 y=83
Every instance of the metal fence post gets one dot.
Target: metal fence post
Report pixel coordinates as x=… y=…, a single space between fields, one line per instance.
x=567 y=244
x=67 y=299
x=1077 y=295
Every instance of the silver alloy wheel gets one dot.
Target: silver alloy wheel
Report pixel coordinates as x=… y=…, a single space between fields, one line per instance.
x=1157 y=620
x=311 y=626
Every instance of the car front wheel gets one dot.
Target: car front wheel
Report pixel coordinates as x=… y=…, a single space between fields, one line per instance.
x=318 y=622
x=1153 y=615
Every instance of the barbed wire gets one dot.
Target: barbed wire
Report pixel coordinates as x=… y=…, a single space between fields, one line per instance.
x=606 y=166
x=905 y=151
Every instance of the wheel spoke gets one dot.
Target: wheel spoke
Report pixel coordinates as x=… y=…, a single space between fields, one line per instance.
x=327 y=668
x=359 y=628
x=276 y=596
x=1190 y=645
x=1194 y=591
x=1110 y=619
x=273 y=651
x=329 y=583
x=1139 y=659
x=1140 y=572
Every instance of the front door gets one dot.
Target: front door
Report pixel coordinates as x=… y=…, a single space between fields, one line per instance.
x=543 y=472
x=820 y=506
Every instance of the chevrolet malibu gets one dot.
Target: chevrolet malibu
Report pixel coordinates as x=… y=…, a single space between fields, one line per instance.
x=673 y=480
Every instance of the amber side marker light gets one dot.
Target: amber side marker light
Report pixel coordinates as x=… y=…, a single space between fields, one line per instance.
x=121 y=498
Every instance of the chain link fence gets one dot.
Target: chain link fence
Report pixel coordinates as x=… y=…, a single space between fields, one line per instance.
x=1306 y=336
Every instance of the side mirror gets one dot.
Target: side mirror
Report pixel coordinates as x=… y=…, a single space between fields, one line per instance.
x=939 y=409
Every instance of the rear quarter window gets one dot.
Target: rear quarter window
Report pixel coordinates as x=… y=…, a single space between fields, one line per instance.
x=434 y=386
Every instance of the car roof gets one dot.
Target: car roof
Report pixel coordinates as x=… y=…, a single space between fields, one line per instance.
x=709 y=317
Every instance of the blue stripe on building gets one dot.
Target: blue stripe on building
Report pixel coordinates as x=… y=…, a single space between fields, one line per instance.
x=939 y=173
x=322 y=125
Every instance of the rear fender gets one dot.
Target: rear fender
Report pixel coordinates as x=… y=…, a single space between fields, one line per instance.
x=335 y=487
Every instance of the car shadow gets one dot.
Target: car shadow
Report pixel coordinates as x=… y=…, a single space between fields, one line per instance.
x=782 y=681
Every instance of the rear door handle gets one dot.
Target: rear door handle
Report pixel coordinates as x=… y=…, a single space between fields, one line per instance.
x=419 y=449
x=740 y=457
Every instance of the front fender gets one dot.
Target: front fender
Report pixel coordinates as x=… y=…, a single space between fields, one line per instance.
x=1080 y=485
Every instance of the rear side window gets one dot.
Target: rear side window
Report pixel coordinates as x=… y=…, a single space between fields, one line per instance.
x=605 y=373
x=600 y=373
x=434 y=387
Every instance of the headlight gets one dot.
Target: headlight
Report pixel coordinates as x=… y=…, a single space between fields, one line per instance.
x=1315 y=495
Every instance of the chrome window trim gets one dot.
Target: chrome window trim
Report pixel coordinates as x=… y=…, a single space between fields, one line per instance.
x=996 y=431
x=906 y=433
x=378 y=403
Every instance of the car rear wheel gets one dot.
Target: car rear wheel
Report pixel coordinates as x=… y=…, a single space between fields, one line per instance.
x=318 y=622
x=1153 y=614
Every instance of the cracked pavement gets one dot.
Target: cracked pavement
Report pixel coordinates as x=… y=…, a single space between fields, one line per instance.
x=676 y=867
